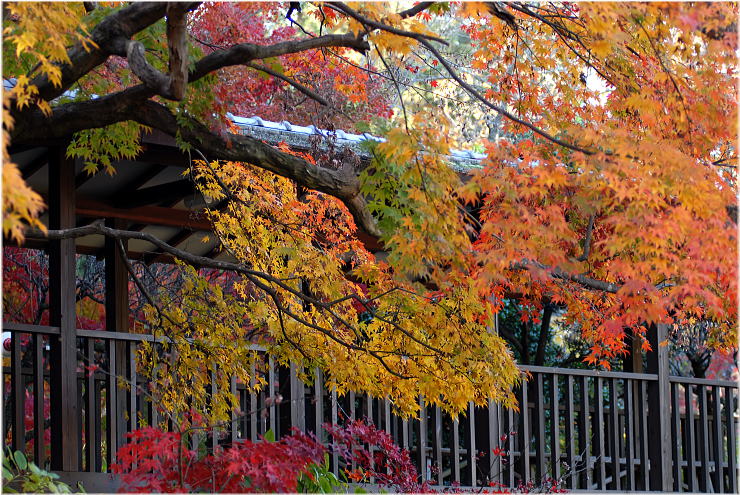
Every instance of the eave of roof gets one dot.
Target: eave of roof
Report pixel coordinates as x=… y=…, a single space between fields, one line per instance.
x=298 y=137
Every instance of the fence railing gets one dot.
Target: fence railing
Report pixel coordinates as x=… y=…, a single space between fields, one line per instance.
x=590 y=430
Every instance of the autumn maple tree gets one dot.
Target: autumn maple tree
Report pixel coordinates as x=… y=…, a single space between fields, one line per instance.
x=609 y=186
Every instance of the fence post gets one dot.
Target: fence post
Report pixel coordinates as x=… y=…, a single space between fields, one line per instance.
x=659 y=414
x=65 y=443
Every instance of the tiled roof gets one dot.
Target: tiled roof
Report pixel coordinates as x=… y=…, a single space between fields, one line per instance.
x=297 y=137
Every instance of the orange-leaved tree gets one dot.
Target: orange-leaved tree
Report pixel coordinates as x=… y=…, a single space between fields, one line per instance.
x=608 y=187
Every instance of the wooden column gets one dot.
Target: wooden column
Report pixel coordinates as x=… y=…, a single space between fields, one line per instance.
x=116 y=320
x=659 y=413
x=63 y=364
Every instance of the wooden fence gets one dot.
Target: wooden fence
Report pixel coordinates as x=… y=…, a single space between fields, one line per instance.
x=591 y=430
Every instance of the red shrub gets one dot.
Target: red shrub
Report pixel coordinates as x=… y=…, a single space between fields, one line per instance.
x=157 y=461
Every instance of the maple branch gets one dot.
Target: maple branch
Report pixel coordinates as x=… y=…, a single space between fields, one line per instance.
x=342 y=183
x=563 y=33
x=300 y=87
x=244 y=53
x=109 y=37
x=419 y=7
x=558 y=273
x=345 y=9
x=260 y=279
x=151 y=77
x=587 y=240
x=171 y=86
x=177 y=42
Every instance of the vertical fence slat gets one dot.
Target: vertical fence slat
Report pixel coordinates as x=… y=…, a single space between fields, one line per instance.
x=569 y=433
x=704 y=436
x=79 y=382
x=319 y=398
x=470 y=441
x=297 y=406
x=369 y=418
x=555 y=428
x=153 y=413
x=629 y=420
x=731 y=439
x=421 y=440
x=584 y=432
x=718 y=441
x=690 y=449
x=334 y=421
x=539 y=404
x=676 y=432
x=271 y=390
x=112 y=424
x=387 y=416
x=39 y=424
x=599 y=432
x=524 y=435
x=234 y=424
x=254 y=411
x=17 y=384
x=214 y=428
x=644 y=449
x=405 y=441
x=456 y=451
x=131 y=352
x=437 y=439
x=98 y=427
x=91 y=411
x=614 y=433
x=510 y=448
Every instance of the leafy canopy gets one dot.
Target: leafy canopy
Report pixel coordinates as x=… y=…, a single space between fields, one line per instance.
x=610 y=172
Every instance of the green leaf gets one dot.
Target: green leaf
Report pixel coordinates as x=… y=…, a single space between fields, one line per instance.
x=7 y=475
x=20 y=460
x=269 y=435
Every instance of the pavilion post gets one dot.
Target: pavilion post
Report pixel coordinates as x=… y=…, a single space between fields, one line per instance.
x=116 y=320
x=65 y=442
x=659 y=413
x=632 y=362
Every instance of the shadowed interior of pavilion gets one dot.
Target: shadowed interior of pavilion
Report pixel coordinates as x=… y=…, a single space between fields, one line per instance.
x=635 y=430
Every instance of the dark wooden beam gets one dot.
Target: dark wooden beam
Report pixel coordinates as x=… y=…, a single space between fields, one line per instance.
x=35 y=165
x=164 y=155
x=171 y=191
x=63 y=365
x=159 y=138
x=151 y=172
x=82 y=177
x=148 y=215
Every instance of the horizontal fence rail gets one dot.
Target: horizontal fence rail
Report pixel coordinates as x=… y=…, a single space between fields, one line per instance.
x=584 y=430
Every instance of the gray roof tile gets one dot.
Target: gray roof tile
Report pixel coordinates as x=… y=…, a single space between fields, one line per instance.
x=298 y=137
